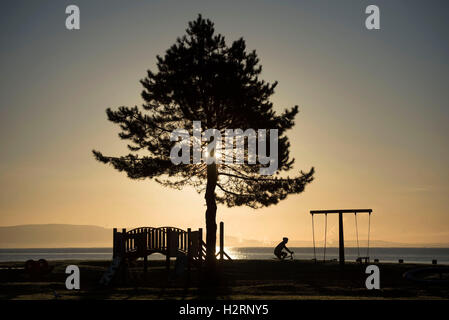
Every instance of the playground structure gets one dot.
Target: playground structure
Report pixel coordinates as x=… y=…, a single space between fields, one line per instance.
x=169 y=241
x=141 y=242
x=341 y=241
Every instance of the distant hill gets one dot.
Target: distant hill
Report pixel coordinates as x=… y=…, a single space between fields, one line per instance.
x=54 y=236
x=68 y=235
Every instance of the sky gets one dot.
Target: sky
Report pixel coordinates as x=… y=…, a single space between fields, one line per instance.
x=373 y=115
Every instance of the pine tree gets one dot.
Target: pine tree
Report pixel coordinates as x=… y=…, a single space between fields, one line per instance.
x=201 y=78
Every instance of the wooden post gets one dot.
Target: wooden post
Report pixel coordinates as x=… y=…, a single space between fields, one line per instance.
x=221 y=240
x=200 y=247
x=123 y=242
x=167 y=251
x=122 y=245
x=189 y=249
x=159 y=238
x=341 y=239
x=114 y=243
x=151 y=246
x=145 y=257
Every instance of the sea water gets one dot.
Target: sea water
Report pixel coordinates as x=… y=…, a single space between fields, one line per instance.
x=413 y=255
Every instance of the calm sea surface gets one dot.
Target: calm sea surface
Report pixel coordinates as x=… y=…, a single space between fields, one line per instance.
x=416 y=255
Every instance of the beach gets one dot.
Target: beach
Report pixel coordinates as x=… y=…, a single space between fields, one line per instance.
x=238 y=279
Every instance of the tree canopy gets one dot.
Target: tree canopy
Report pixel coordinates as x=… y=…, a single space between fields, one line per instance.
x=202 y=78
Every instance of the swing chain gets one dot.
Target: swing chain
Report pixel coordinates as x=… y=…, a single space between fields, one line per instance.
x=357 y=234
x=325 y=238
x=369 y=231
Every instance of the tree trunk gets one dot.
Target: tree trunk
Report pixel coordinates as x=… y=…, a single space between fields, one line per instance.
x=211 y=211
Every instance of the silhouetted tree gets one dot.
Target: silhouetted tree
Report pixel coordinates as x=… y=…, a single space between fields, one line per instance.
x=200 y=78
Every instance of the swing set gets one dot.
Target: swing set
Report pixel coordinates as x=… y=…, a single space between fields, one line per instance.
x=341 y=247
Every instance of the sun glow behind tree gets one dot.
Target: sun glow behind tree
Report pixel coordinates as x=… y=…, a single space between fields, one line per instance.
x=201 y=78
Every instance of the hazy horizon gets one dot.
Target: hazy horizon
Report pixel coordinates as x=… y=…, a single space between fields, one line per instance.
x=373 y=116
x=41 y=236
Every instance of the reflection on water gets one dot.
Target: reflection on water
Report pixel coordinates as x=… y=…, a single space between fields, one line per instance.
x=418 y=255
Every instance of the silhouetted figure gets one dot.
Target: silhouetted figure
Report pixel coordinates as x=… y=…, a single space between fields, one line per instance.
x=281 y=246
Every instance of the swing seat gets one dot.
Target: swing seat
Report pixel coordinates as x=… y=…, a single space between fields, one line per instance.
x=360 y=259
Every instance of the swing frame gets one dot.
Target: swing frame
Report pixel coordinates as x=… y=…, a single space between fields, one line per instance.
x=341 y=241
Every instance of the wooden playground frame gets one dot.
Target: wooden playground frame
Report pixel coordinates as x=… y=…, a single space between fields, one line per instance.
x=169 y=241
